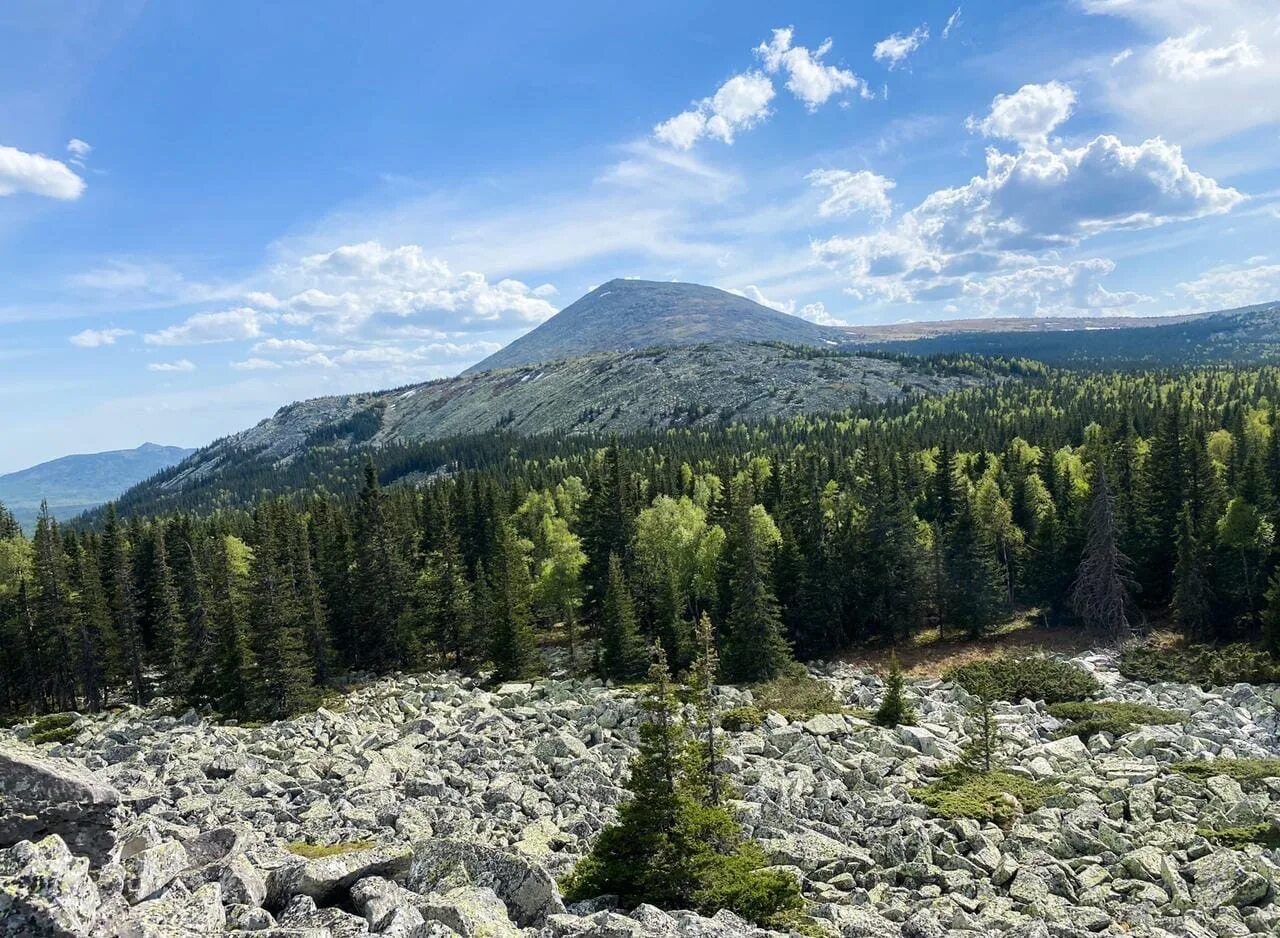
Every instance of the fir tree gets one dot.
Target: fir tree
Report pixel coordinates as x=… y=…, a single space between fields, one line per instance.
x=1191 y=596
x=282 y=680
x=512 y=646
x=117 y=575
x=622 y=653
x=976 y=592
x=756 y=648
x=981 y=753
x=159 y=598
x=1101 y=593
x=894 y=709
x=230 y=688
x=52 y=605
x=702 y=678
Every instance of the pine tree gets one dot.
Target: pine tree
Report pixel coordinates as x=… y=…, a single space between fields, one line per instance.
x=894 y=709
x=1101 y=593
x=756 y=648
x=622 y=653
x=512 y=646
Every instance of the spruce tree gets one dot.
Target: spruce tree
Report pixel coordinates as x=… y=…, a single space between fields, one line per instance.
x=52 y=607
x=982 y=752
x=282 y=678
x=756 y=649
x=117 y=577
x=702 y=679
x=381 y=577
x=512 y=645
x=94 y=638
x=622 y=653
x=1101 y=593
x=1191 y=608
x=231 y=656
x=159 y=599
x=894 y=709
x=976 y=593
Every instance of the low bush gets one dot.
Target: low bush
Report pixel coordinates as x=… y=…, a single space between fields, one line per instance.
x=1205 y=665
x=1244 y=771
x=984 y=796
x=54 y=728
x=1266 y=835
x=1116 y=717
x=319 y=851
x=1034 y=677
x=797 y=696
x=741 y=718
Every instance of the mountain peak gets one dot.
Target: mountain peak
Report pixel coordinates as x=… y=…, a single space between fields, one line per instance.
x=624 y=314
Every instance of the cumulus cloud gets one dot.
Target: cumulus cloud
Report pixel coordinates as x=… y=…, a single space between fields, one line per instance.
x=896 y=49
x=1029 y=115
x=1209 y=70
x=255 y=364
x=817 y=313
x=182 y=364
x=850 y=192
x=808 y=77
x=37 y=175
x=96 y=338
x=1050 y=289
x=739 y=104
x=229 y=325
x=1234 y=285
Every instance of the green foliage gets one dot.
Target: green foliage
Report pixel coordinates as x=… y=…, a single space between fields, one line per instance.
x=320 y=851
x=1264 y=835
x=1033 y=677
x=1245 y=771
x=984 y=796
x=737 y=719
x=1205 y=665
x=1116 y=717
x=894 y=709
x=54 y=728
x=796 y=695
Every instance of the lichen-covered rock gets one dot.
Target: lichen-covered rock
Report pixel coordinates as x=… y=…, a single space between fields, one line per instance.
x=471 y=911
x=149 y=871
x=529 y=892
x=176 y=913
x=325 y=878
x=45 y=890
x=41 y=796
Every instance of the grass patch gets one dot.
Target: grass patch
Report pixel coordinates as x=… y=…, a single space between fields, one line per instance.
x=319 y=851
x=1116 y=717
x=54 y=728
x=1244 y=771
x=1205 y=665
x=741 y=718
x=1034 y=677
x=798 y=696
x=1265 y=835
x=963 y=793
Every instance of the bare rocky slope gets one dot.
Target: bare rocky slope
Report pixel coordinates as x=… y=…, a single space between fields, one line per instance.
x=450 y=809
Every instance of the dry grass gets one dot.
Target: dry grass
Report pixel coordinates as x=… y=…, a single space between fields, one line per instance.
x=319 y=851
x=930 y=653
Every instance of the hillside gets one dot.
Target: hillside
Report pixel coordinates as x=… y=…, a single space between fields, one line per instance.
x=622 y=315
x=72 y=484
x=1250 y=335
x=602 y=393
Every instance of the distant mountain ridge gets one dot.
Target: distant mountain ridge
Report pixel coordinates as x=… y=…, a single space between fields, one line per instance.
x=626 y=315
x=73 y=484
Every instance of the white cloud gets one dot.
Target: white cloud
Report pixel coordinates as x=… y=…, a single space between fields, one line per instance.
x=953 y=21
x=1051 y=289
x=817 y=313
x=182 y=364
x=756 y=295
x=79 y=151
x=896 y=49
x=1029 y=115
x=37 y=175
x=849 y=192
x=296 y=346
x=1210 y=69
x=96 y=338
x=255 y=364
x=808 y=78
x=1186 y=58
x=229 y=325
x=1234 y=285
x=739 y=104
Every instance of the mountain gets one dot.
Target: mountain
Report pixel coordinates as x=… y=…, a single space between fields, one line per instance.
x=1247 y=335
x=73 y=484
x=623 y=315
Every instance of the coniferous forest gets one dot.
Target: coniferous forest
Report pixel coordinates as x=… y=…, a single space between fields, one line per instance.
x=1104 y=501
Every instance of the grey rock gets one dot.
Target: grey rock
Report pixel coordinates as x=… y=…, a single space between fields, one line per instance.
x=528 y=890
x=40 y=796
x=45 y=890
x=471 y=911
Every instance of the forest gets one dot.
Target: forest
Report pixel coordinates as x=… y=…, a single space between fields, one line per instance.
x=1103 y=501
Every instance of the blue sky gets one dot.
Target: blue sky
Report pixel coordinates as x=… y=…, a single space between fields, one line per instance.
x=210 y=210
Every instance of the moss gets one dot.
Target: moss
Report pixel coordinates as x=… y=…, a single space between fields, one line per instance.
x=983 y=796
x=741 y=718
x=1034 y=677
x=319 y=851
x=55 y=736
x=1265 y=835
x=798 y=696
x=1116 y=717
x=1205 y=665
x=1245 y=771
x=54 y=728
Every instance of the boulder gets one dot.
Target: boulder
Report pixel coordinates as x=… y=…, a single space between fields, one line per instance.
x=176 y=912
x=529 y=892
x=40 y=796
x=471 y=911
x=1221 y=879
x=326 y=878
x=45 y=890
x=150 y=870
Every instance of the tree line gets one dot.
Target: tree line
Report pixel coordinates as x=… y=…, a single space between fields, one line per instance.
x=1102 y=501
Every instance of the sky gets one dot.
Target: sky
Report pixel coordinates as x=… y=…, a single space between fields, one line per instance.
x=208 y=211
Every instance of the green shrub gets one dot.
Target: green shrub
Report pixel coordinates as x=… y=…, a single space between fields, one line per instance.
x=1116 y=717
x=54 y=728
x=1266 y=835
x=1245 y=771
x=1034 y=677
x=741 y=718
x=1205 y=665
x=894 y=709
x=984 y=796
x=797 y=696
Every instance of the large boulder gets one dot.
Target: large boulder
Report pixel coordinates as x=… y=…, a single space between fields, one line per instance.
x=471 y=911
x=41 y=796
x=326 y=879
x=529 y=892
x=45 y=890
